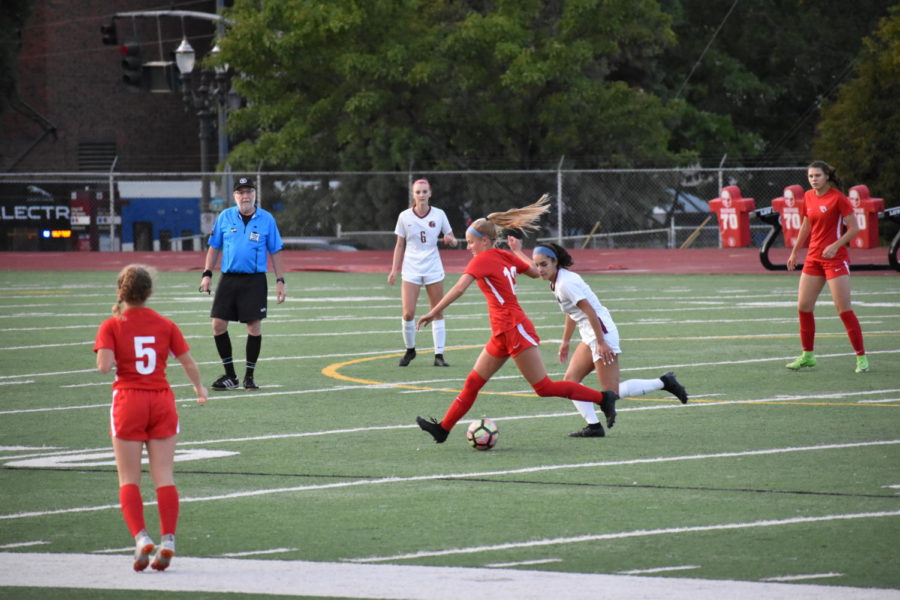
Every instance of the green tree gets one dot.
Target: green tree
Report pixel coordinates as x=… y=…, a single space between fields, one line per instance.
x=13 y=14
x=385 y=84
x=765 y=74
x=860 y=131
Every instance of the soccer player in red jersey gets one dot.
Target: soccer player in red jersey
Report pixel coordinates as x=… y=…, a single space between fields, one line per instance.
x=137 y=341
x=829 y=224
x=513 y=335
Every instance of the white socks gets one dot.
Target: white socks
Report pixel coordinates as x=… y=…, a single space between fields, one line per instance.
x=409 y=333
x=629 y=388
x=439 y=335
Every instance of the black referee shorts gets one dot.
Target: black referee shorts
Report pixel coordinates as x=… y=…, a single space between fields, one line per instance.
x=241 y=297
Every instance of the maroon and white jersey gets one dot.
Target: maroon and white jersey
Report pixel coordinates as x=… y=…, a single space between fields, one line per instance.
x=422 y=234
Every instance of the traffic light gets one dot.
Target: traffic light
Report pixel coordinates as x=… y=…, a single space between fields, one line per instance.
x=132 y=65
x=110 y=37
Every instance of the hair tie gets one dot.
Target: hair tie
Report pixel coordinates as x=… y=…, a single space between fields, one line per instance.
x=545 y=251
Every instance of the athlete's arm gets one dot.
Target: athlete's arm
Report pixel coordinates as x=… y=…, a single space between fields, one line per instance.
x=193 y=373
x=212 y=257
x=568 y=329
x=802 y=234
x=852 y=229
x=397 y=261
x=106 y=360
x=606 y=353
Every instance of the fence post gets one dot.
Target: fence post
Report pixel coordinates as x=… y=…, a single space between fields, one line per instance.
x=559 y=202
x=112 y=205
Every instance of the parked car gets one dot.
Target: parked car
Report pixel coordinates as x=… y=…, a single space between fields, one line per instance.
x=317 y=243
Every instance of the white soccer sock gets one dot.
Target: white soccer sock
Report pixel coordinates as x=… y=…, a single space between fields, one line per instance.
x=409 y=333
x=587 y=411
x=639 y=387
x=629 y=388
x=439 y=335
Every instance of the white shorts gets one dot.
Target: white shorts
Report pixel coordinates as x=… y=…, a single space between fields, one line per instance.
x=611 y=337
x=423 y=279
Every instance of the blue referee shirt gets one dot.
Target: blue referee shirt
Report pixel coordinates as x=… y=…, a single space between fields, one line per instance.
x=245 y=248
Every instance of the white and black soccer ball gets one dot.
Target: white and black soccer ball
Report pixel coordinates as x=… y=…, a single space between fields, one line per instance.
x=482 y=434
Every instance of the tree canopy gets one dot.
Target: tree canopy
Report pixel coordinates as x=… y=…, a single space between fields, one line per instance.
x=860 y=131
x=453 y=84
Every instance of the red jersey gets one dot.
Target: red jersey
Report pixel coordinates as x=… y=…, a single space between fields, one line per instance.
x=826 y=226
x=495 y=272
x=142 y=340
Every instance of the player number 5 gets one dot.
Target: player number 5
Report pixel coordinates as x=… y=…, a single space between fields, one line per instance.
x=145 y=355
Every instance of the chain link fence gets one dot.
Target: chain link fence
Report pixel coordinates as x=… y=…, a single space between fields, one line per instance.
x=607 y=208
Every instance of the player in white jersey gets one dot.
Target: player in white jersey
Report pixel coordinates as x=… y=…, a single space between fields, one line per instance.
x=599 y=348
x=419 y=228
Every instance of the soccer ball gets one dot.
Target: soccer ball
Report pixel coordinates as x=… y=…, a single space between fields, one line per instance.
x=482 y=434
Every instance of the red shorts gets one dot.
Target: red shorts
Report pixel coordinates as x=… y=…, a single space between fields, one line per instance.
x=828 y=268
x=513 y=341
x=140 y=415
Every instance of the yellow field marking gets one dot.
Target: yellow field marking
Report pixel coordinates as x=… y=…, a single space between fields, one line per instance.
x=333 y=371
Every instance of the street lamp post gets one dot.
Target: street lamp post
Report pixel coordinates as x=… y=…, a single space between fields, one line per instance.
x=204 y=100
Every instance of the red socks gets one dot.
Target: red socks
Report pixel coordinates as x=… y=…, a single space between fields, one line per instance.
x=854 y=331
x=567 y=389
x=132 y=507
x=167 y=503
x=851 y=324
x=465 y=400
x=807 y=330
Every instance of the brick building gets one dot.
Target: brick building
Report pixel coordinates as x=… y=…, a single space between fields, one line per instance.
x=73 y=111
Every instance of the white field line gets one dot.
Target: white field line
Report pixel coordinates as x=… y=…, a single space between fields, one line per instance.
x=257 y=552
x=258 y=578
x=821 y=334
x=468 y=475
x=803 y=577
x=523 y=563
x=282 y=318
x=623 y=535
x=658 y=570
x=25 y=545
x=304 y=434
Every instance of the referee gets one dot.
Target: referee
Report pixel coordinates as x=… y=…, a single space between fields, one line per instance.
x=245 y=235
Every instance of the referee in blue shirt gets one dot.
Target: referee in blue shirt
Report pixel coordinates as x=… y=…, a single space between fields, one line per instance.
x=245 y=235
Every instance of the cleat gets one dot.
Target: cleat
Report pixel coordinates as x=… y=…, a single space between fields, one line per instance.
x=249 y=384
x=164 y=553
x=590 y=430
x=609 y=407
x=439 y=361
x=434 y=428
x=807 y=359
x=143 y=548
x=225 y=382
x=862 y=364
x=671 y=385
x=407 y=358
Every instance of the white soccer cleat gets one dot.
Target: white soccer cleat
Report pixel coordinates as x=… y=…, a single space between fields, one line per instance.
x=143 y=548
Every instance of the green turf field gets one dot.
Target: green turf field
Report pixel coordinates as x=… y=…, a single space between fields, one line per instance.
x=765 y=475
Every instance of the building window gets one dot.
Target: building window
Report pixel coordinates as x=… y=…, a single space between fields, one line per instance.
x=96 y=156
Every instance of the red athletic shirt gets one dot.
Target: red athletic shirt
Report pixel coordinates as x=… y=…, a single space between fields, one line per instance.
x=495 y=272
x=142 y=341
x=825 y=214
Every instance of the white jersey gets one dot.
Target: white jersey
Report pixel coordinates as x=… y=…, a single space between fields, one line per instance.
x=569 y=289
x=421 y=256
